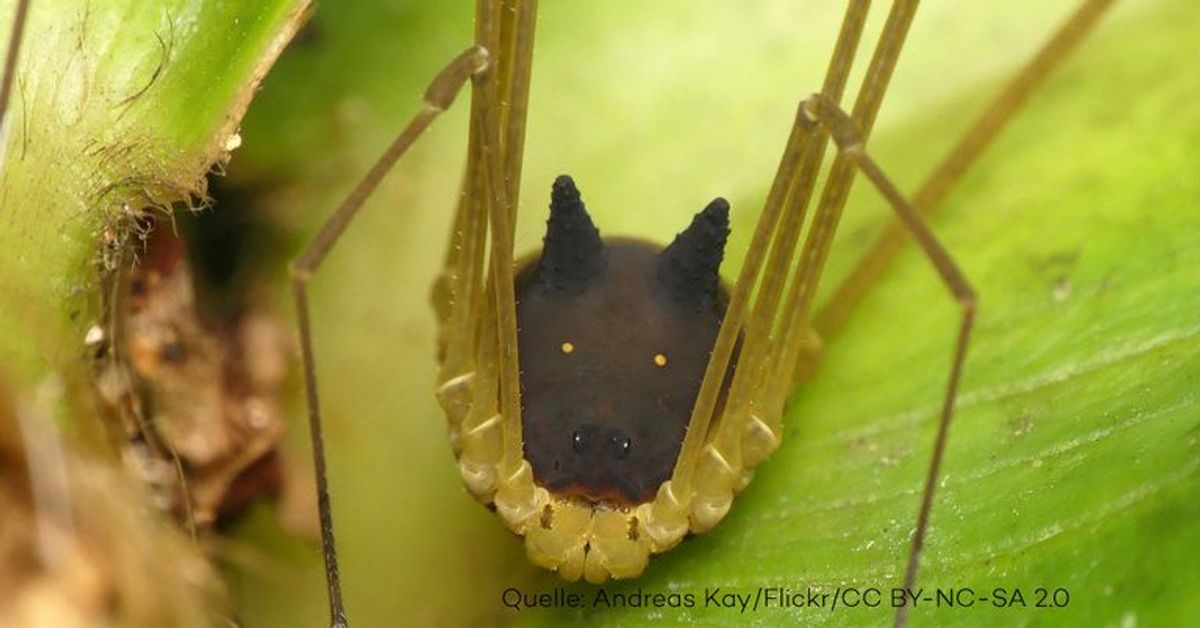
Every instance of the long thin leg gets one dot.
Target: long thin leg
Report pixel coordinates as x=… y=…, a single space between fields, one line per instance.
x=438 y=97
x=794 y=332
x=850 y=143
x=458 y=293
x=10 y=61
x=714 y=463
x=934 y=190
x=788 y=197
x=503 y=140
x=841 y=173
x=517 y=26
x=765 y=356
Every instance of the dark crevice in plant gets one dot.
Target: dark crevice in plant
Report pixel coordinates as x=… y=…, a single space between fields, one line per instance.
x=192 y=357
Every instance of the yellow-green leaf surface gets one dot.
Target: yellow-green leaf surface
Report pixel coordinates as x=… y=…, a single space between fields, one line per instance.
x=1073 y=460
x=116 y=106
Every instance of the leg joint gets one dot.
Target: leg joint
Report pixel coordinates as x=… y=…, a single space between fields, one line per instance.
x=445 y=86
x=299 y=271
x=968 y=300
x=818 y=108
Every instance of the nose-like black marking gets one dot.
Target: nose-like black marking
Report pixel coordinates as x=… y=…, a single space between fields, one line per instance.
x=605 y=421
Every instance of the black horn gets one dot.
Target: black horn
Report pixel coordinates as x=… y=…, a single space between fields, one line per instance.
x=572 y=251
x=690 y=266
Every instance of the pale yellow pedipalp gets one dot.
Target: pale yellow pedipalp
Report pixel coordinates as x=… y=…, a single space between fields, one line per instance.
x=577 y=540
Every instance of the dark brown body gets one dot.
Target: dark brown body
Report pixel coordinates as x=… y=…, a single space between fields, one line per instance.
x=614 y=337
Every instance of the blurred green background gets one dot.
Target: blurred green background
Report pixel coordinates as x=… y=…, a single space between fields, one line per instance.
x=1073 y=460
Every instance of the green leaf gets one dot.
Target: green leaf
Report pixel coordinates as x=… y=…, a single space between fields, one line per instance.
x=117 y=106
x=1072 y=462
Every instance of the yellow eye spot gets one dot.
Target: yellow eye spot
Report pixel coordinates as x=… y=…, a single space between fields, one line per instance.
x=568 y=347
x=660 y=359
